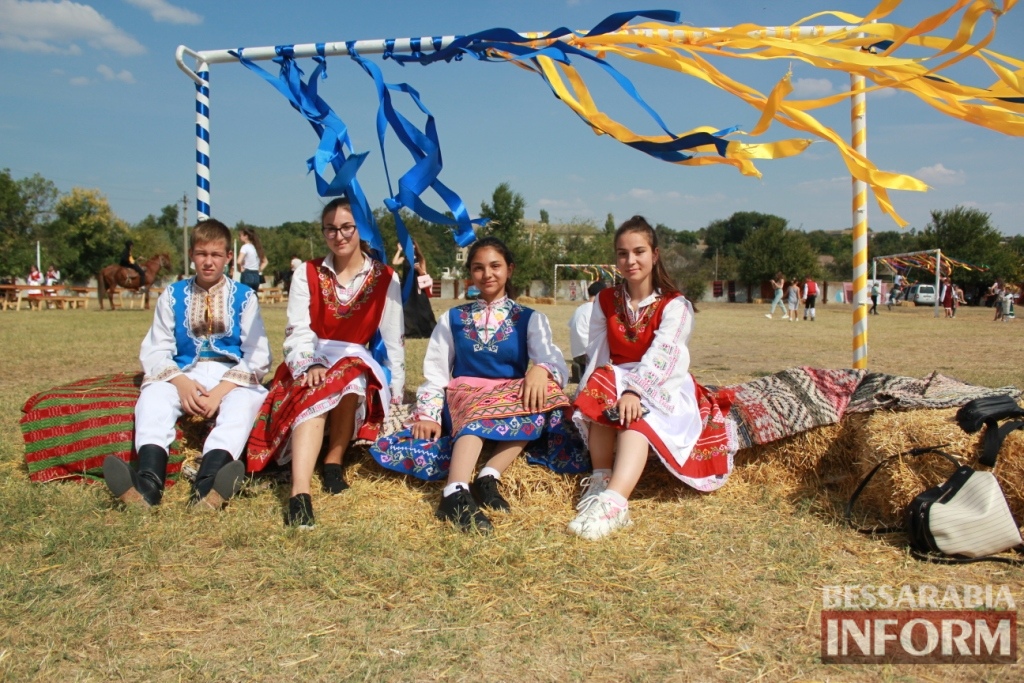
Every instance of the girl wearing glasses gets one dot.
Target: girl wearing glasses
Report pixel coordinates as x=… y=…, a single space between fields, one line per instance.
x=330 y=383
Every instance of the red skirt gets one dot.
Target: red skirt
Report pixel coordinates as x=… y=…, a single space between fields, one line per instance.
x=709 y=456
x=288 y=400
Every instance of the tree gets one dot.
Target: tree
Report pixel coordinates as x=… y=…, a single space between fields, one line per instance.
x=773 y=248
x=724 y=237
x=609 y=225
x=25 y=205
x=506 y=214
x=966 y=234
x=86 y=235
x=544 y=218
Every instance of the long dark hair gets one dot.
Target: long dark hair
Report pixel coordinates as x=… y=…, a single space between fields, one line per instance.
x=254 y=240
x=342 y=202
x=506 y=253
x=659 y=276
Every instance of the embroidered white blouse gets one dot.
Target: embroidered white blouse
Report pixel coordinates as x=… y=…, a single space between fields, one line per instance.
x=208 y=314
x=302 y=348
x=437 y=363
x=665 y=367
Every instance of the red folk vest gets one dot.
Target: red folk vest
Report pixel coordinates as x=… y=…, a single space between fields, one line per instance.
x=356 y=321
x=628 y=342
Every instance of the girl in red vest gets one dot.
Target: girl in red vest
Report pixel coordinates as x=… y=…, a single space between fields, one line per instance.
x=330 y=381
x=637 y=392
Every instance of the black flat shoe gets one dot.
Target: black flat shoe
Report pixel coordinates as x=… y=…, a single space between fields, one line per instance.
x=485 y=490
x=300 y=511
x=460 y=509
x=332 y=479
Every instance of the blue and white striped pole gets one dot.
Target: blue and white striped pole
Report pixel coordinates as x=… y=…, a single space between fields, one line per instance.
x=202 y=141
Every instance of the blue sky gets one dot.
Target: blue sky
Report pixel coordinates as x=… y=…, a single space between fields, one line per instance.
x=91 y=97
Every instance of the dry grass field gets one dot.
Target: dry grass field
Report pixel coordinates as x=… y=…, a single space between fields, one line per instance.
x=720 y=587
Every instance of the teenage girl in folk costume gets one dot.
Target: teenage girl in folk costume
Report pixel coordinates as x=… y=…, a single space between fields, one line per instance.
x=478 y=378
x=330 y=381
x=638 y=394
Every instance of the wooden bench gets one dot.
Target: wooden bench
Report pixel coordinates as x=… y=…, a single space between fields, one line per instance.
x=271 y=295
x=36 y=301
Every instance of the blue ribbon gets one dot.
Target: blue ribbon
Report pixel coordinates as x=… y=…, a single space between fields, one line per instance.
x=520 y=50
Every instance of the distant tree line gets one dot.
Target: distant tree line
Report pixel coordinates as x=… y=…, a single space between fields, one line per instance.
x=79 y=232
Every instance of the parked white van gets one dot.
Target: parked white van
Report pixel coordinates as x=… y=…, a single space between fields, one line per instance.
x=922 y=295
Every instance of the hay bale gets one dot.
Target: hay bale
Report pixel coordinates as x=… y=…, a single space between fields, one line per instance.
x=547 y=300
x=896 y=484
x=524 y=299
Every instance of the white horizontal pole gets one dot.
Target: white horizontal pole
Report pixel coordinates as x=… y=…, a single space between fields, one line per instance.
x=404 y=45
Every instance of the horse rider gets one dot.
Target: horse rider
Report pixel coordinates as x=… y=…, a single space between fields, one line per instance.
x=128 y=261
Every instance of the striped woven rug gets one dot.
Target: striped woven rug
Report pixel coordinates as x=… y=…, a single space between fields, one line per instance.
x=69 y=430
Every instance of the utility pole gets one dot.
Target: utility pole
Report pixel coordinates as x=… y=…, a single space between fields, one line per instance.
x=184 y=233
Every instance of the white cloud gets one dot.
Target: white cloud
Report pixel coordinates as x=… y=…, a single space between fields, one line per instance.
x=161 y=10
x=56 y=27
x=79 y=80
x=641 y=194
x=812 y=87
x=108 y=73
x=882 y=94
x=940 y=175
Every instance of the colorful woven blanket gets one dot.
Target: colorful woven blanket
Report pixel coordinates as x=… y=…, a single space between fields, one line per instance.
x=795 y=400
x=69 y=430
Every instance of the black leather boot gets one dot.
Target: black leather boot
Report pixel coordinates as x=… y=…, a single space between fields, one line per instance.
x=145 y=487
x=219 y=477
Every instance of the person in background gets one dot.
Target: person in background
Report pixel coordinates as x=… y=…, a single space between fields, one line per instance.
x=777 y=284
x=128 y=261
x=793 y=294
x=418 y=314
x=251 y=259
x=579 y=332
x=810 y=297
x=876 y=291
x=34 y=278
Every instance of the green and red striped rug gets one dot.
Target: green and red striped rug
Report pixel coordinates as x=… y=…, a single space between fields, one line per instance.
x=69 y=430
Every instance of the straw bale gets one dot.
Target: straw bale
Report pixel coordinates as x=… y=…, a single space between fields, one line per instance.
x=524 y=299
x=896 y=484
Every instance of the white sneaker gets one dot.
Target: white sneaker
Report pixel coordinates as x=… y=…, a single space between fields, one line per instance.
x=768 y=315
x=592 y=486
x=601 y=517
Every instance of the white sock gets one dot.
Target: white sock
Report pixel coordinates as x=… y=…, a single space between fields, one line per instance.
x=453 y=487
x=491 y=471
x=616 y=498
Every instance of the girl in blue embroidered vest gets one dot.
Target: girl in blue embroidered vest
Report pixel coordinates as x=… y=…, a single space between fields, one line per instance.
x=637 y=392
x=477 y=384
x=206 y=354
x=330 y=380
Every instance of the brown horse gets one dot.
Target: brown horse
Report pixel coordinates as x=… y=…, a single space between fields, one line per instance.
x=114 y=276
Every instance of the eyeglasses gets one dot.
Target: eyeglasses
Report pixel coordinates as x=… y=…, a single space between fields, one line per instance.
x=330 y=232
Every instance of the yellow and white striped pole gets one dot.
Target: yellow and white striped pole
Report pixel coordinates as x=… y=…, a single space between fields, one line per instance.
x=858 y=114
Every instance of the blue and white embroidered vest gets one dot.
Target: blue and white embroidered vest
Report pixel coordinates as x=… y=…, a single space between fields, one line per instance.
x=227 y=344
x=503 y=356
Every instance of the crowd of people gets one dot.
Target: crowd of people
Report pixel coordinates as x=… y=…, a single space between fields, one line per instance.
x=492 y=375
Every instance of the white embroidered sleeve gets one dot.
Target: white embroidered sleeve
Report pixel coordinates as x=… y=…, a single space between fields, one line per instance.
x=256 y=356
x=158 y=347
x=437 y=372
x=662 y=370
x=542 y=348
x=392 y=329
x=299 y=338
x=598 y=354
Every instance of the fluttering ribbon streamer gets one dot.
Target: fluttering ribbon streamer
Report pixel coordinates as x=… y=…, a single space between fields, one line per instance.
x=927 y=262
x=864 y=47
x=425 y=149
